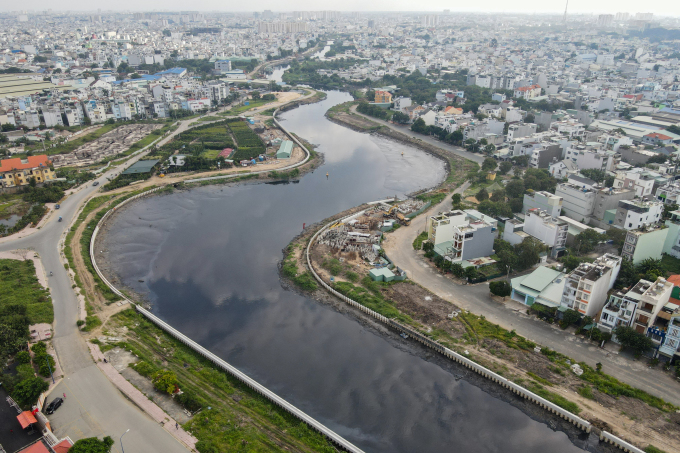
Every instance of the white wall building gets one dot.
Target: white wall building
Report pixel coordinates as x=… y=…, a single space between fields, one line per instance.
x=586 y=287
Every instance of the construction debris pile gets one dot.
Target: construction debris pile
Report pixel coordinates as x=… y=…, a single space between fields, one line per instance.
x=354 y=236
x=116 y=141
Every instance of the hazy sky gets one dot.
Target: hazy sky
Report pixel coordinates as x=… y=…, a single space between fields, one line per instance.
x=661 y=7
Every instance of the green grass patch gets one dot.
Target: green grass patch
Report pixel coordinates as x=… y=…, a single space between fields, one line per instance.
x=91 y=323
x=289 y=269
x=418 y=241
x=586 y=391
x=19 y=286
x=210 y=154
x=555 y=398
x=238 y=415
x=613 y=387
x=653 y=449
x=539 y=379
x=479 y=328
x=670 y=264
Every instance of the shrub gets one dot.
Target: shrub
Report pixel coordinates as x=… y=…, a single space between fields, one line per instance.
x=586 y=391
x=26 y=392
x=80 y=322
x=352 y=276
x=500 y=288
x=144 y=368
x=39 y=348
x=23 y=357
x=165 y=381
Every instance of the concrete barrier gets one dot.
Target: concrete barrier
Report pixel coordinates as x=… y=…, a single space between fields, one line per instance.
x=622 y=444
x=251 y=383
x=551 y=407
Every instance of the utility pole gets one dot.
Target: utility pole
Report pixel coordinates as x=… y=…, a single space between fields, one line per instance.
x=565 y=12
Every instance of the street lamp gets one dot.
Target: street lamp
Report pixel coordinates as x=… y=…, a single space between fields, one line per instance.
x=121 y=440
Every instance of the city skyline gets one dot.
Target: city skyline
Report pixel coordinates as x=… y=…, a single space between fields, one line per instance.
x=658 y=7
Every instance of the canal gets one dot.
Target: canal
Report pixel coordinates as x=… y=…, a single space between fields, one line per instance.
x=207 y=260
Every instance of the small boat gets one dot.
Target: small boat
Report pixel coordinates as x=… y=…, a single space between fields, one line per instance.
x=403 y=335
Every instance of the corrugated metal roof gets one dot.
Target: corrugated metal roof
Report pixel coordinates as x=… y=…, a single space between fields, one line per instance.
x=142 y=166
x=285 y=150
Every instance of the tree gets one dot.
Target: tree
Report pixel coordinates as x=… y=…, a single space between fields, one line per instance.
x=594 y=174
x=658 y=159
x=569 y=317
x=482 y=195
x=470 y=272
x=628 y=337
x=489 y=164
x=498 y=195
x=528 y=252
x=419 y=126
x=165 y=381
x=456 y=199
x=587 y=240
x=401 y=118
x=571 y=262
x=255 y=95
x=457 y=269
x=515 y=188
x=530 y=118
x=521 y=161
x=26 y=392
x=628 y=276
x=504 y=167
x=92 y=445
x=500 y=288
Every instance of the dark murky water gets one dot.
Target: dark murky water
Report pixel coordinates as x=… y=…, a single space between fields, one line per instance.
x=209 y=260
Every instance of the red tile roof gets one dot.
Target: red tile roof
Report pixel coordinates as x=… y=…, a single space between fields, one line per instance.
x=659 y=136
x=18 y=163
x=37 y=447
x=528 y=88
x=62 y=447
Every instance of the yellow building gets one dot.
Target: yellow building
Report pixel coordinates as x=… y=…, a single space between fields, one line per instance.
x=19 y=171
x=383 y=97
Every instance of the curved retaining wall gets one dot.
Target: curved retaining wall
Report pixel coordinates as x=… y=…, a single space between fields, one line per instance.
x=542 y=402
x=271 y=396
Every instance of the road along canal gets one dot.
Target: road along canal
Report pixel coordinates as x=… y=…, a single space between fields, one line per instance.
x=207 y=260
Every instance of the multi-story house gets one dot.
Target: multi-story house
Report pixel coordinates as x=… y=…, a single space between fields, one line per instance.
x=528 y=92
x=636 y=180
x=648 y=242
x=545 y=201
x=19 y=171
x=634 y=214
x=458 y=236
x=639 y=308
x=669 y=193
x=578 y=200
x=547 y=229
x=607 y=202
x=586 y=287
x=670 y=348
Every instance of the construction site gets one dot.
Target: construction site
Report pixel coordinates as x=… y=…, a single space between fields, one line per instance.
x=354 y=242
x=111 y=143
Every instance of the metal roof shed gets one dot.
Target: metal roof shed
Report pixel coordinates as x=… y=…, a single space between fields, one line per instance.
x=285 y=150
x=142 y=166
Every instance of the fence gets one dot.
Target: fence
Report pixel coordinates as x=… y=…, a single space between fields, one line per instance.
x=271 y=396
x=542 y=402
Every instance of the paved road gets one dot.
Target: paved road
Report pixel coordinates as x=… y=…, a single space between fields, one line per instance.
x=479 y=158
x=511 y=315
x=93 y=407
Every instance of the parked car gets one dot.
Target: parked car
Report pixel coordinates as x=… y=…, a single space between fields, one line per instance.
x=56 y=206
x=96 y=183
x=53 y=406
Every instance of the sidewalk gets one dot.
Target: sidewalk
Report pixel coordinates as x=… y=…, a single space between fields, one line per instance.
x=137 y=397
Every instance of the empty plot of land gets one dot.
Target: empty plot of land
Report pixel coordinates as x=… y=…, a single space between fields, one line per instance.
x=114 y=142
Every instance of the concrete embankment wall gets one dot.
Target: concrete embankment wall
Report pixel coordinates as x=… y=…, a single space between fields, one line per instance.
x=271 y=396
x=518 y=390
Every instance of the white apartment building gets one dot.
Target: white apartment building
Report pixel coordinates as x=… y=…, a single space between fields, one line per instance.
x=223 y=65
x=587 y=159
x=638 y=308
x=669 y=194
x=544 y=201
x=458 y=236
x=634 y=214
x=586 y=287
x=401 y=103
x=52 y=116
x=578 y=200
x=121 y=110
x=521 y=130
x=642 y=183
x=569 y=128
x=550 y=230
